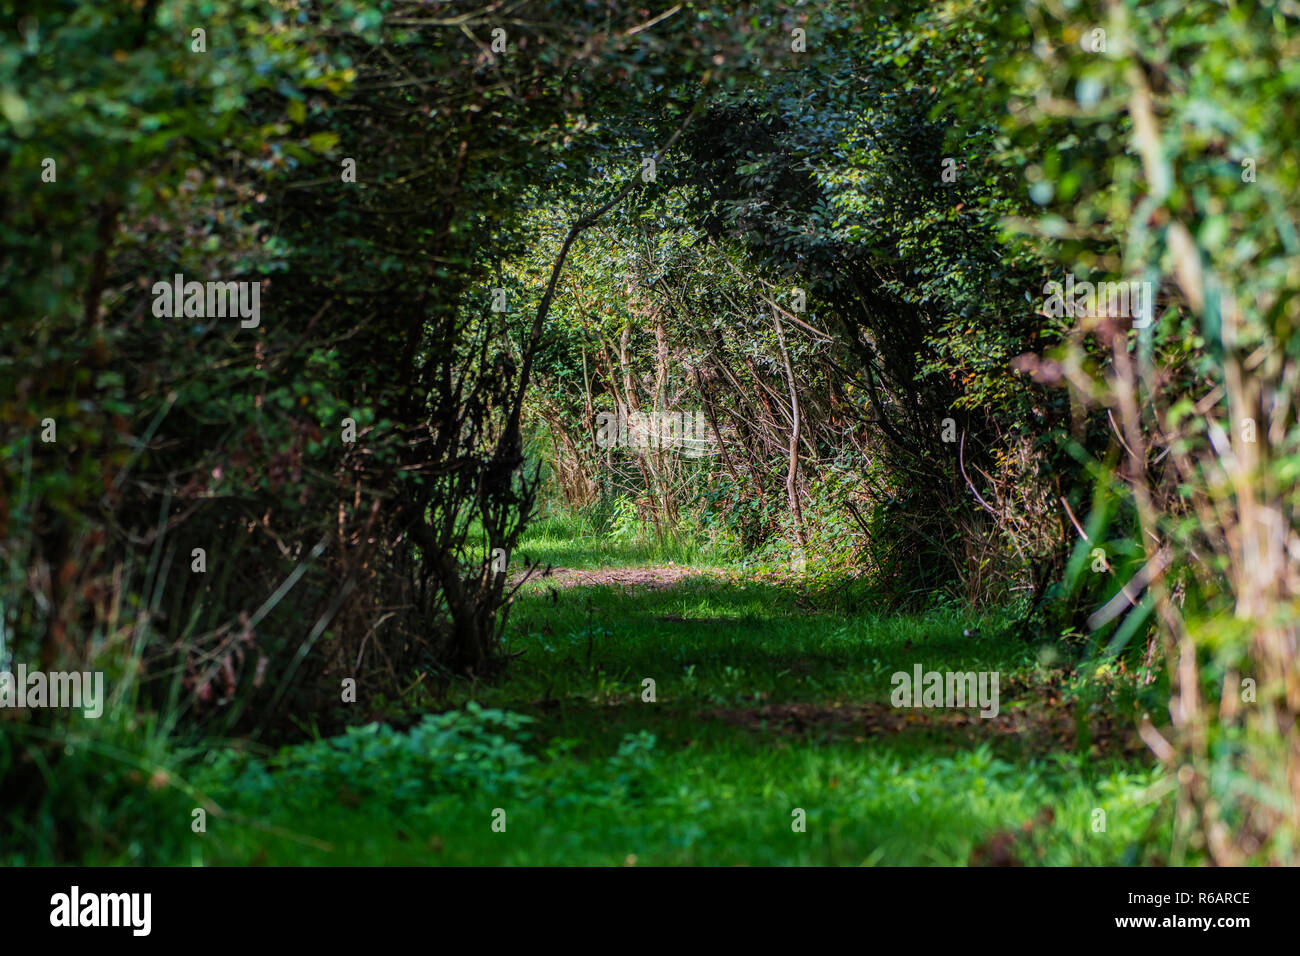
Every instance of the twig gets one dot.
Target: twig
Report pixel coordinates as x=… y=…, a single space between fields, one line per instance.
x=1074 y=521
x=962 y=465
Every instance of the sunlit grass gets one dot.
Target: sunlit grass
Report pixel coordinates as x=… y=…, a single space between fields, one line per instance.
x=693 y=788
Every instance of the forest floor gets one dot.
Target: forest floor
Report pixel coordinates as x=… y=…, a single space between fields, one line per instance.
x=770 y=739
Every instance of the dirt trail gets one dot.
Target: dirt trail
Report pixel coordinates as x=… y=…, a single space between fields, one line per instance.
x=652 y=576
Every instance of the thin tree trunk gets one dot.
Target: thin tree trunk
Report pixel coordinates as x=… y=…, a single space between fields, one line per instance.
x=792 y=472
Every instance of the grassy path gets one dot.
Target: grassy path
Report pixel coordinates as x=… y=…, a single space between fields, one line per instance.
x=771 y=708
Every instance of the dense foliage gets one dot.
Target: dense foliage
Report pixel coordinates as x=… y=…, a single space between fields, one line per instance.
x=819 y=239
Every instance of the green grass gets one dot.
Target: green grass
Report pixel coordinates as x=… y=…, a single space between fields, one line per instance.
x=577 y=541
x=597 y=775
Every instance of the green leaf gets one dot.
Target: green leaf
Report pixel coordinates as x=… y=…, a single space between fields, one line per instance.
x=323 y=142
